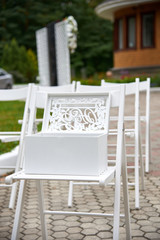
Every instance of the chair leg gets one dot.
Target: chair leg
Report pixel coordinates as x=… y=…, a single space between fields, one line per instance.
x=116 y=209
x=136 y=172
x=141 y=162
x=13 y=196
x=116 y=219
x=126 y=194
x=41 y=209
x=18 y=212
x=147 y=148
x=70 y=194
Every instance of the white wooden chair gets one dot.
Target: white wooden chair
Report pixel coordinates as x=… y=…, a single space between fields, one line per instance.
x=11 y=161
x=144 y=86
x=131 y=89
x=73 y=118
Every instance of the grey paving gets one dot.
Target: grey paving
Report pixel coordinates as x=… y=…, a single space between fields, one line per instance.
x=145 y=222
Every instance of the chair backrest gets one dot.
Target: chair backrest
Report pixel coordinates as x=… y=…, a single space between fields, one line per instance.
x=13 y=94
x=130 y=87
x=136 y=88
x=39 y=97
x=19 y=95
x=76 y=112
x=98 y=89
x=79 y=114
x=144 y=86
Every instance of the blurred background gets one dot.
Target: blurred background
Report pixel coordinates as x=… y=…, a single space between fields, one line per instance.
x=93 y=58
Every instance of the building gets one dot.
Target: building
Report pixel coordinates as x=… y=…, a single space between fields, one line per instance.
x=136 y=35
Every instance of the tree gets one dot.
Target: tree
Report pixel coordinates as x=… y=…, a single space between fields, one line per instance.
x=20 y=62
x=21 y=18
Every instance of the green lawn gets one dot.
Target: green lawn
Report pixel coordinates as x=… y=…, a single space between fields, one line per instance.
x=10 y=113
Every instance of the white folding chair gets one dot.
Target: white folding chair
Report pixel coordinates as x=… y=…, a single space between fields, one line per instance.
x=73 y=119
x=144 y=86
x=11 y=161
x=131 y=89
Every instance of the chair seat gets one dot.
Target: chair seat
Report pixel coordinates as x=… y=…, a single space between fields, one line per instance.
x=103 y=179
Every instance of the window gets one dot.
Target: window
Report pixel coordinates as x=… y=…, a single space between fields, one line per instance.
x=148 y=30
x=120 y=34
x=131 y=32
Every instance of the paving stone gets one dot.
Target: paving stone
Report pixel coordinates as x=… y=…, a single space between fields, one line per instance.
x=3 y=224
x=6 y=213
x=139 y=238
x=30 y=237
x=59 y=223
x=77 y=236
x=153 y=236
x=137 y=233
x=31 y=231
x=5 y=219
x=102 y=227
x=91 y=238
x=60 y=235
x=144 y=217
x=72 y=224
x=71 y=218
x=148 y=229
x=58 y=217
x=88 y=225
x=31 y=225
x=89 y=231
x=152 y=214
x=100 y=221
x=4 y=234
x=135 y=226
x=74 y=230
x=148 y=209
x=59 y=228
x=104 y=235
x=156 y=224
x=86 y=219
x=144 y=222
x=154 y=219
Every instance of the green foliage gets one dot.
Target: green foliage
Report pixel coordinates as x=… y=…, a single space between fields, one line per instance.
x=96 y=79
x=155 y=80
x=20 y=62
x=94 y=52
x=20 y=20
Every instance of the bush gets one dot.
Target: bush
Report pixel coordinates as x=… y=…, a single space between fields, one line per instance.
x=96 y=79
x=20 y=62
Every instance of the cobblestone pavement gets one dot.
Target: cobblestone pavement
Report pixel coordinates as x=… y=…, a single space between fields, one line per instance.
x=145 y=222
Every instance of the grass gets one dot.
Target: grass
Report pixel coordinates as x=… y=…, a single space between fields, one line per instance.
x=10 y=113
